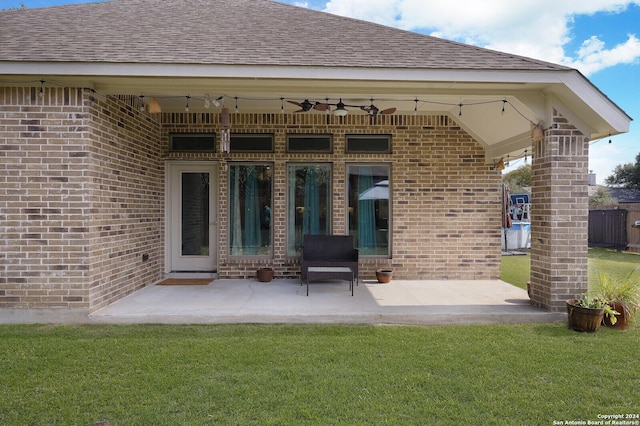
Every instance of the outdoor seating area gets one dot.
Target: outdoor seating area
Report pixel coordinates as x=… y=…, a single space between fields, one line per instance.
x=332 y=253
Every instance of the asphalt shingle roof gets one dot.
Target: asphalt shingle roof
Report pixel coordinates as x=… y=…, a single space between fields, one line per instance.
x=252 y=32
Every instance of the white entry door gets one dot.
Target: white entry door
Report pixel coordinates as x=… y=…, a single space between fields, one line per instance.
x=192 y=216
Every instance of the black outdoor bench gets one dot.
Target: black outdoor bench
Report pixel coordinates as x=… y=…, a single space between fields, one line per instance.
x=328 y=251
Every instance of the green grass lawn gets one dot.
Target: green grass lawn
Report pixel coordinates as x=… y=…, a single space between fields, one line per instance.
x=529 y=374
x=516 y=269
x=315 y=374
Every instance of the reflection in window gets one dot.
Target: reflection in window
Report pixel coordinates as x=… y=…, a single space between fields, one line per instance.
x=309 y=203
x=250 y=209
x=369 y=208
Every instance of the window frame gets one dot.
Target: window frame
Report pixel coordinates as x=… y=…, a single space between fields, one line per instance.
x=288 y=207
x=388 y=137
x=229 y=249
x=310 y=136
x=237 y=136
x=211 y=135
x=388 y=166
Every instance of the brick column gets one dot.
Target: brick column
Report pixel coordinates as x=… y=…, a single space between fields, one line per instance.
x=559 y=217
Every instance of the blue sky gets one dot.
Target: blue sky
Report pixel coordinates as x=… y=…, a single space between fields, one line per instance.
x=600 y=38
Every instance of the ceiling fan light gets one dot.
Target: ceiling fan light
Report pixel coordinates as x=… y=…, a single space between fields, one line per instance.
x=340 y=111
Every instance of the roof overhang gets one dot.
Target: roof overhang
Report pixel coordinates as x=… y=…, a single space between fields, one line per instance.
x=474 y=98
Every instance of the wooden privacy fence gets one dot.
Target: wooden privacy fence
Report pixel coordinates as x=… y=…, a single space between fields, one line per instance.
x=608 y=228
x=600 y=235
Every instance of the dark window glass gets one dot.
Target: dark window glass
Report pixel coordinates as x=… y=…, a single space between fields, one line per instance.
x=309 y=143
x=194 y=142
x=251 y=143
x=369 y=143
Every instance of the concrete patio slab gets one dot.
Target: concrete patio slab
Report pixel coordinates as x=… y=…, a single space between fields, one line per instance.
x=285 y=301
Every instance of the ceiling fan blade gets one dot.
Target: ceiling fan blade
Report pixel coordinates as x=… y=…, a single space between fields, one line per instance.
x=388 y=111
x=294 y=102
x=321 y=107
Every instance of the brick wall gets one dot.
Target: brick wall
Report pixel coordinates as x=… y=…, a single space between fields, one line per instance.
x=81 y=196
x=446 y=200
x=559 y=216
x=126 y=183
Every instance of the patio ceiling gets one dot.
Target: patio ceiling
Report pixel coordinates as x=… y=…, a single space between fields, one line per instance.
x=474 y=98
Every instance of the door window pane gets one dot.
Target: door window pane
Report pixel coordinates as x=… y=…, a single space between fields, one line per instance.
x=250 y=206
x=195 y=214
x=368 y=212
x=309 y=204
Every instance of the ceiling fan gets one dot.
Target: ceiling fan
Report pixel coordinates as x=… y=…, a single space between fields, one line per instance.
x=340 y=109
x=306 y=105
x=373 y=110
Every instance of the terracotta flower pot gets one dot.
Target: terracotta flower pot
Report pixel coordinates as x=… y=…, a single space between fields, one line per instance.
x=623 y=318
x=384 y=275
x=264 y=275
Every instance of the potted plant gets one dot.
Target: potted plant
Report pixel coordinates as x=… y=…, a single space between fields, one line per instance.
x=623 y=296
x=586 y=313
x=384 y=275
x=265 y=274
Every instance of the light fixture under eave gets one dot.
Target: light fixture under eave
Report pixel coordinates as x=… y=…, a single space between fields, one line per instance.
x=537 y=135
x=224 y=117
x=154 y=106
x=340 y=111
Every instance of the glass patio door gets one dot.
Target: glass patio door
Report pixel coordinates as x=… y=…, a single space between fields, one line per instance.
x=192 y=217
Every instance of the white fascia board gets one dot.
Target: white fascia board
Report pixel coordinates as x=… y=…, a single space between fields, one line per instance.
x=597 y=101
x=276 y=72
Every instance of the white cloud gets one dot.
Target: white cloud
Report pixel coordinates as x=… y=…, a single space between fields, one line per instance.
x=534 y=28
x=593 y=56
